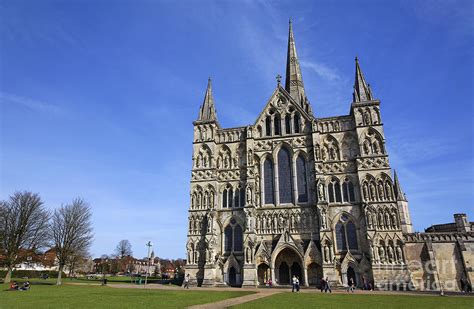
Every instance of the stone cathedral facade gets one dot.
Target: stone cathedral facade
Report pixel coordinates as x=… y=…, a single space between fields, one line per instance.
x=294 y=194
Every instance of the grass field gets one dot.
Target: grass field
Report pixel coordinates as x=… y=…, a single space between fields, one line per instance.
x=48 y=295
x=354 y=301
x=92 y=296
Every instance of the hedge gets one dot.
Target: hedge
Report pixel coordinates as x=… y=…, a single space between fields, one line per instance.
x=31 y=273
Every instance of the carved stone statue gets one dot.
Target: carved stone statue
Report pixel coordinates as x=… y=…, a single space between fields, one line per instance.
x=321 y=192
x=249 y=195
x=372 y=192
x=382 y=254
x=323 y=219
x=399 y=254
x=381 y=193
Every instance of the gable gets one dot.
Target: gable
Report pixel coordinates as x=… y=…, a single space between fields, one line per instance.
x=281 y=104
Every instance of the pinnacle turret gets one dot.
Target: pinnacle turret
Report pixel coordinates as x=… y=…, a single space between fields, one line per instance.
x=362 y=90
x=207 y=111
x=399 y=194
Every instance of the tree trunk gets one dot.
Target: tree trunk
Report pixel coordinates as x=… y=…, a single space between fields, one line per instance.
x=8 y=276
x=58 y=282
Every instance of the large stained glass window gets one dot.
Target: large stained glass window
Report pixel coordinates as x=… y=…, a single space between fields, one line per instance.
x=284 y=176
x=268 y=181
x=301 y=179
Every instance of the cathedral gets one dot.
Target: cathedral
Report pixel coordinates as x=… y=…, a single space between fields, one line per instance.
x=297 y=195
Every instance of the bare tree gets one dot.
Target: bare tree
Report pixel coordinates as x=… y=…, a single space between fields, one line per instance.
x=71 y=232
x=23 y=226
x=123 y=249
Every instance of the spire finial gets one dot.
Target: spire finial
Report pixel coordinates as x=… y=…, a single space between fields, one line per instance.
x=361 y=89
x=278 y=78
x=294 y=80
x=207 y=111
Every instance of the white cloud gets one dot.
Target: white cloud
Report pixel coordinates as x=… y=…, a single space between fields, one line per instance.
x=33 y=104
x=322 y=70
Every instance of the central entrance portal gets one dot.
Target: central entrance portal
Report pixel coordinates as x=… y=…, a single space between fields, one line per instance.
x=288 y=264
x=232 y=276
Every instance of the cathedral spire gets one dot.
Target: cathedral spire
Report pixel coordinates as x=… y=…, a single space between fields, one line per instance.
x=294 y=80
x=398 y=188
x=207 y=111
x=362 y=90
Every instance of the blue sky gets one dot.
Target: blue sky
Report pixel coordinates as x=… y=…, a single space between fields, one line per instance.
x=97 y=98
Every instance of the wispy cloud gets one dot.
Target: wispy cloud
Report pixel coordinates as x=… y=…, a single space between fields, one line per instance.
x=32 y=104
x=324 y=71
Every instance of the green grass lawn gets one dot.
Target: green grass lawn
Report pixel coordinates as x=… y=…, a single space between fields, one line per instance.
x=88 y=296
x=354 y=301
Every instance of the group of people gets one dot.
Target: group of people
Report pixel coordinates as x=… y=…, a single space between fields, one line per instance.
x=325 y=285
x=14 y=286
x=295 y=283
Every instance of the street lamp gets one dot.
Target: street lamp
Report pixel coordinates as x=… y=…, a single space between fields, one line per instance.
x=149 y=245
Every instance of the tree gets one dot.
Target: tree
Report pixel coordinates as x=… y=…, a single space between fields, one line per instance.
x=71 y=232
x=23 y=226
x=123 y=249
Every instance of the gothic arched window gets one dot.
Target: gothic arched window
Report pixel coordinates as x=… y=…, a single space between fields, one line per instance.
x=268 y=181
x=334 y=191
x=224 y=198
x=288 y=124
x=301 y=179
x=228 y=238
x=341 y=237
x=230 y=196
x=268 y=126
x=238 y=238
x=277 y=124
x=297 y=123
x=351 y=236
x=242 y=197
x=237 y=198
x=233 y=237
x=348 y=191
x=284 y=176
x=346 y=235
x=337 y=190
x=331 y=192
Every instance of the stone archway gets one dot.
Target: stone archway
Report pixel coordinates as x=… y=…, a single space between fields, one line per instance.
x=263 y=272
x=288 y=263
x=315 y=274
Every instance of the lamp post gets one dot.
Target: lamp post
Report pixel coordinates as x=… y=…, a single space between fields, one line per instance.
x=149 y=245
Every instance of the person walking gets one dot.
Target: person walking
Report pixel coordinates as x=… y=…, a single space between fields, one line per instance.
x=186 y=282
x=297 y=284
x=293 y=283
x=327 y=286
x=322 y=284
x=350 y=285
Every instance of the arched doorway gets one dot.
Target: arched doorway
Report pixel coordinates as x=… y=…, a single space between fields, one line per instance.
x=288 y=263
x=263 y=273
x=315 y=274
x=232 y=276
x=351 y=274
x=283 y=274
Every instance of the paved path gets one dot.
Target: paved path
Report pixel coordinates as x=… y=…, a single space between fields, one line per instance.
x=236 y=300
